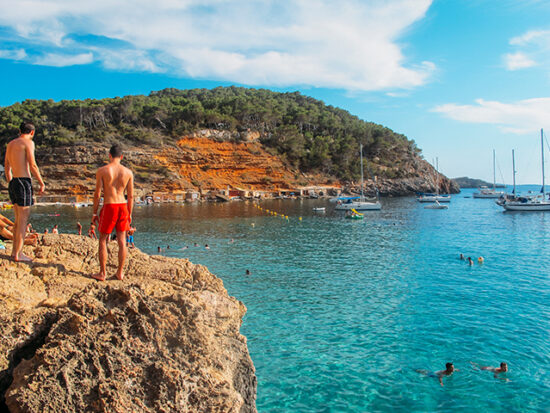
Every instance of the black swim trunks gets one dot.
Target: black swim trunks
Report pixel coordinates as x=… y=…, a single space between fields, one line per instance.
x=20 y=190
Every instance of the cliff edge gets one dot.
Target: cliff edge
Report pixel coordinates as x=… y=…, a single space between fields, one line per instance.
x=166 y=339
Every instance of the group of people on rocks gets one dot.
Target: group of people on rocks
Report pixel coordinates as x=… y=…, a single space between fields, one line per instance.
x=114 y=180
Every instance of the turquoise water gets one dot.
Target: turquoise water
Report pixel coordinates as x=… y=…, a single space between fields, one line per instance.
x=342 y=312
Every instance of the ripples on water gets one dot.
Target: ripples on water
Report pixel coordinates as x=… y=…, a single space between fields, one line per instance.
x=341 y=312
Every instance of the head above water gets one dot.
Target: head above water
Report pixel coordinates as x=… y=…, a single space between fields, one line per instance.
x=449 y=366
x=504 y=366
x=26 y=128
x=115 y=152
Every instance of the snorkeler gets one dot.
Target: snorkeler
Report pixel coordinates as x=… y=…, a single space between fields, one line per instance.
x=496 y=370
x=449 y=370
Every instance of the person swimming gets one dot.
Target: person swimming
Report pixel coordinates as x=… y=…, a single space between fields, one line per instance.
x=461 y=256
x=470 y=261
x=480 y=260
x=449 y=370
x=496 y=370
x=207 y=247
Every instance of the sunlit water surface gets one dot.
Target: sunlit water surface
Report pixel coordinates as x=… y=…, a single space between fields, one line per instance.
x=342 y=312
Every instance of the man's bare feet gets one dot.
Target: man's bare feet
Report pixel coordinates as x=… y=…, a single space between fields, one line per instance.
x=21 y=258
x=119 y=276
x=99 y=277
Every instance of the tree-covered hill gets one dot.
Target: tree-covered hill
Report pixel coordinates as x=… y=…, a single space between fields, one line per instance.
x=306 y=133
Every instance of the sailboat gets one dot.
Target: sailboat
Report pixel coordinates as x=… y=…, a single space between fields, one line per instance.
x=361 y=204
x=531 y=203
x=435 y=197
x=485 y=192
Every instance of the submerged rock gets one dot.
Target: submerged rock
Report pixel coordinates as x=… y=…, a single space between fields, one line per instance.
x=164 y=339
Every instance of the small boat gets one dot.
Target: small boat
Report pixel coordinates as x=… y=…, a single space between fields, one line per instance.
x=361 y=204
x=319 y=209
x=485 y=192
x=430 y=197
x=530 y=202
x=436 y=205
x=353 y=214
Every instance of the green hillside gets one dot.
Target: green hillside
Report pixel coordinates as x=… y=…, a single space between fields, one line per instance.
x=307 y=133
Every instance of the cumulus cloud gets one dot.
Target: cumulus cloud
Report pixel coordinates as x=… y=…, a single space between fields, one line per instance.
x=521 y=117
x=350 y=44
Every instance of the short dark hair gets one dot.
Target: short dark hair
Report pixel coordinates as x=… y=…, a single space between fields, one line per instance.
x=448 y=365
x=26 y=128
x=115 y=151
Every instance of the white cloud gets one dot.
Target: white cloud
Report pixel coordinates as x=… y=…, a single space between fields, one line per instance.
x=351 y=44
x=524 y=116
x=516 y=61
x=533 y=49
x=18 y=54
x=58 y=60
x=530 y=37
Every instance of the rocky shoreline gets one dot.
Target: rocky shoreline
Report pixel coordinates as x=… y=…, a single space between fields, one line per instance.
x=166 y=339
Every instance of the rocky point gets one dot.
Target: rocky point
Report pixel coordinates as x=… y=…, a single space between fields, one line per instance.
x=165 y=339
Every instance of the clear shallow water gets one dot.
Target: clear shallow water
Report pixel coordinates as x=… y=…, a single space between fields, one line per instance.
x=341 y=312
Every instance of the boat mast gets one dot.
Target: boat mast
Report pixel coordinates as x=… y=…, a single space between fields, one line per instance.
x=542 y=154
x=361 y=152
x=514 y=171
x=437 y=176
x=494 y=173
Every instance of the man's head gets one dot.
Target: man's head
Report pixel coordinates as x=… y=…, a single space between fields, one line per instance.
x=26 y=128
x=115 y=152
x=450 y=367
x=504 y=366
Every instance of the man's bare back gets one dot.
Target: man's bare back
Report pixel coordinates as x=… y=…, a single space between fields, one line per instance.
x=114 y=180
x=20 y=160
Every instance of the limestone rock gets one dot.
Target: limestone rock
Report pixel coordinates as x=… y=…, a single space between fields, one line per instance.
x=164 y=339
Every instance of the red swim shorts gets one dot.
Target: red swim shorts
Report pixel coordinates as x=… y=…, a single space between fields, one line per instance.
x=114 y=215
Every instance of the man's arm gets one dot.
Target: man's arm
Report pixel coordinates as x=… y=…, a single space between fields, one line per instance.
x=97 y=195
x=33 y=166
x=130 y=195
x=7 y=167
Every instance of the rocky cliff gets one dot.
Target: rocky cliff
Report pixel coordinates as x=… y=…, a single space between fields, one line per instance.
x=214 y=160
x=166 y=339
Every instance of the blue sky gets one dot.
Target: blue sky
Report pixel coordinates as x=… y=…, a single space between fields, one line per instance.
x=461 y=78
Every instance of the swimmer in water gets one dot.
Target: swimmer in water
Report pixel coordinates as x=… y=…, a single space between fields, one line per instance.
x=496 y=370
x=462 y=256
x=470 y=261
x=449 y=370
x=207 y=247
x=247 y=272
x=480 y=260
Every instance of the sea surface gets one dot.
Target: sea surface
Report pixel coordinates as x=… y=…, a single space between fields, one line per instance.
x=341 y=313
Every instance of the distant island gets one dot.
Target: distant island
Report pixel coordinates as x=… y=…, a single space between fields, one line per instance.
x=465 y=182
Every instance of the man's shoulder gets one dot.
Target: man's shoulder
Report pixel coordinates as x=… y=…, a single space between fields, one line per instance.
x=127 y=170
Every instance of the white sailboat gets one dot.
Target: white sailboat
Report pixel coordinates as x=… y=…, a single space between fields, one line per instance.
x=485 y=192
x=361 y=204
x=437 y=196
x=531 y=203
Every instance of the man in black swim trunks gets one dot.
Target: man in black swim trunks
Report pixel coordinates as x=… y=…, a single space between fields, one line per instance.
x=19 y=165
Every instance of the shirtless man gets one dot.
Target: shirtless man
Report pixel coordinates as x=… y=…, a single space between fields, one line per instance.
x=114 y=179
x=19 y=165
x=496 y=370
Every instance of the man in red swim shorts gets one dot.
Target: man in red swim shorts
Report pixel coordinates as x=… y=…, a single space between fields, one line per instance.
x=114 y=179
